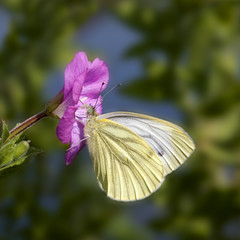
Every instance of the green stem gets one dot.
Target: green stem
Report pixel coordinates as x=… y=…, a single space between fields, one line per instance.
x=27 y=123
x=50 y=107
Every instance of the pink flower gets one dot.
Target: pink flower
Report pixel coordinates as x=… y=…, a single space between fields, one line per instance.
x=83 y=83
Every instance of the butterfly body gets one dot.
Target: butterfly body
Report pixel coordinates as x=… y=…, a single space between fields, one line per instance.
x=132 y=153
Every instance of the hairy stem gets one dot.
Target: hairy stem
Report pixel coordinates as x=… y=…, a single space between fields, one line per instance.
x=27 y=123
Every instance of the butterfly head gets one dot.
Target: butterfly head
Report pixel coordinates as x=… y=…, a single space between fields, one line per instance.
x=90 y=110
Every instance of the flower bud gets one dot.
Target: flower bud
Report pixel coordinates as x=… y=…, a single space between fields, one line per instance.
x=21 y=149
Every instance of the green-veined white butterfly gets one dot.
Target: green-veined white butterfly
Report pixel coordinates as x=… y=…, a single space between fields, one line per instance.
x=132 y=153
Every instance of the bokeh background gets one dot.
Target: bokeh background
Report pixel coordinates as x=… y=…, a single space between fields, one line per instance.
x=178 y=60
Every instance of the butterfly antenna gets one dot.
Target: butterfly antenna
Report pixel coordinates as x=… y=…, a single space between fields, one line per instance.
x=118 y=85
x=103 y=83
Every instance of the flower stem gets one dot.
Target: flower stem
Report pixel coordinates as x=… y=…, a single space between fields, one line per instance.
x=26 y=124
x=48 y=112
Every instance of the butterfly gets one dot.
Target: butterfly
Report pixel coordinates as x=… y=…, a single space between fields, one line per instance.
x=132 y=153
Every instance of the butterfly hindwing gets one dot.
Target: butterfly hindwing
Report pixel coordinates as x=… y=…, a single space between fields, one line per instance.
x=126 y=167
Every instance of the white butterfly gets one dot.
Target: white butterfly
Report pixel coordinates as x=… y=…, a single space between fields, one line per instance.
x=132 y=153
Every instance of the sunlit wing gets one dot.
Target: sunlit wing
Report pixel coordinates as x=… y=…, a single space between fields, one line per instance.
x=126 y=167
x=171 y=143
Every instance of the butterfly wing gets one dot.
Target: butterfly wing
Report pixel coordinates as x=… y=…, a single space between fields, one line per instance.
x=170 y=142
x=126 y=167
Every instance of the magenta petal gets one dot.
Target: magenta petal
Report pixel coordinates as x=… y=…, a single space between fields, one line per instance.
x=65 y=125
x=68 y=101
x=76 y=142
x=74 y=69
x=77 y=87
x=83 y=85
x=96 y=75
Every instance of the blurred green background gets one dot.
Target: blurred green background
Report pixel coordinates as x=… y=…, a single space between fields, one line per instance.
x=178 y=60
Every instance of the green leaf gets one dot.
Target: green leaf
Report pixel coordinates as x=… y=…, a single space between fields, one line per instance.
x=1 y=125
x=34 y=151
x=6 y=154
x=7 y=150
x=17 y=164
x=4 y=133
x=14 y=166
x=14 y=153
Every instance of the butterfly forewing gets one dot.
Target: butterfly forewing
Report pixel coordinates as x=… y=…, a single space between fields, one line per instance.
x=126 y=167
x=170 y=142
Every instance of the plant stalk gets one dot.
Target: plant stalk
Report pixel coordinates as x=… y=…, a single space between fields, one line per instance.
x=27 y=124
